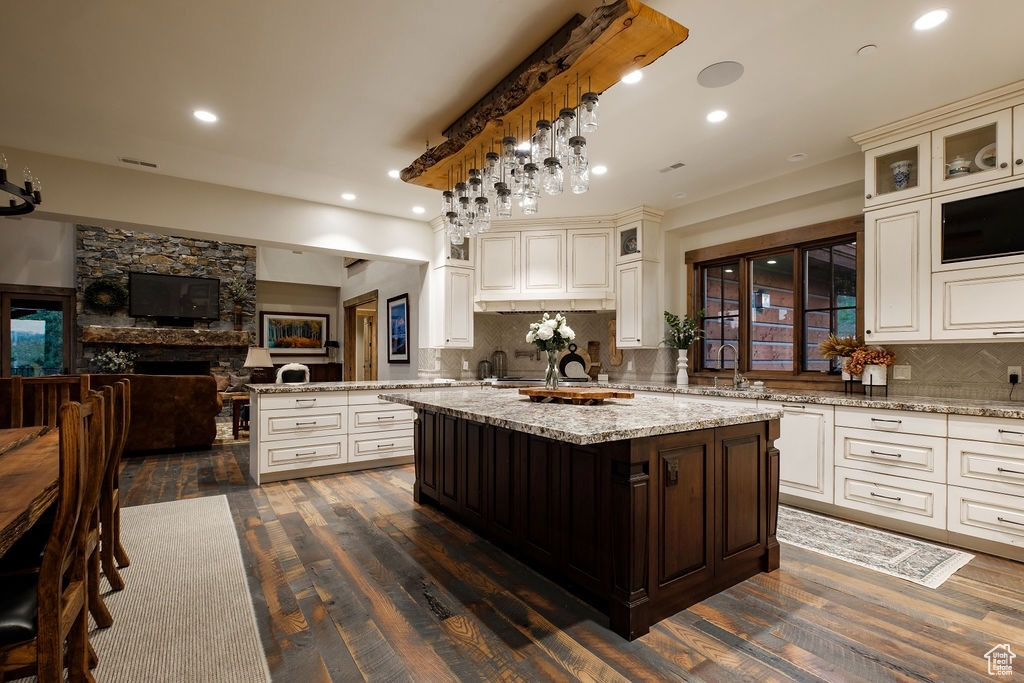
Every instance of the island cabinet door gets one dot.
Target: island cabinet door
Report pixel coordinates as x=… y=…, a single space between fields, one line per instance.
x=449 y=460
x=502 y=476
x=539 y=482
x=426 y=455
x=472 y=485
x=742 y=507
x=585 y=514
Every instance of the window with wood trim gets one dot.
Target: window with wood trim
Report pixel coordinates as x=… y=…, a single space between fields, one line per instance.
x=776 y=304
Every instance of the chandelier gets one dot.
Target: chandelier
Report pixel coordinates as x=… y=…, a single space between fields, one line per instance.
x=541 y=161
x=23 y=199
x=488 y=164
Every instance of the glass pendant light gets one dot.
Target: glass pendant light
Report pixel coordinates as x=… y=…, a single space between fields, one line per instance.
x=579 y=165
x=530 y=185
x=564 y=128
x=553 y=176
x=491 y=170
x=503 y=204
x=508 y=152
x=588 y=112
x=447 y=202
x=483 y=215
x=455 y=235
x=461 y=191
x=529 y=205
x=476 y=185
x=541 y=139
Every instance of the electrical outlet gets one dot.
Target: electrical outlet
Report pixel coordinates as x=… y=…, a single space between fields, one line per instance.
x=1013 y=370
x=629 y=366
x=901 y=372
x=465 y=365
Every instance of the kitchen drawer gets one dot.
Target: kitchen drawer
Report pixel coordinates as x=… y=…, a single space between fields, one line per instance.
x=365 y=396
x=910 y=500
x=896 y=421
x=995 y=516
x=287 y=424
x=379 y=417
x=903 y=455
x=364 y=447
x=300 y=453
x=990 y=466
x=994 y=429
x=304 y=401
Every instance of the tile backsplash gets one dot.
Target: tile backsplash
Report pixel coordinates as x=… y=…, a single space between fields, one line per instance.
x=957 y=370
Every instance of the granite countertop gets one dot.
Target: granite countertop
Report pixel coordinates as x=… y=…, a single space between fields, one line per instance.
x=924 y=404
x=613 y=420
x=382 y=385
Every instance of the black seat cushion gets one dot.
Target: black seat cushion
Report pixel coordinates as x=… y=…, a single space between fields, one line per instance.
x=18 y=604
x=27 y=551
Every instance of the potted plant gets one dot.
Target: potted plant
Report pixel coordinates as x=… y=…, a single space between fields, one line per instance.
x=238 y=293
x=681 y=333
x=835 y=347
x=870 y=362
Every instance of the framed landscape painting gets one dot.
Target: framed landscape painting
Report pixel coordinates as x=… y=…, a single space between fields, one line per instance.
x=398 y=329
x=294 y=334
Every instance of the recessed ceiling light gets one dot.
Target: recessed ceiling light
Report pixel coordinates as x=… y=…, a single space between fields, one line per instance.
x=205 y=116
x=728 y=270
x=394 y=173
x=720 y=74
x=680 y=195
x=930 y=20
x=348 y=196
x=599 y=170
x=771 y=262
x=717 y=115
x=798 y=156
x=633 y=77
x=418 y=209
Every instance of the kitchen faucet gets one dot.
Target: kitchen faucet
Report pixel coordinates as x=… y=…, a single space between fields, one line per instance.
x=737 y=380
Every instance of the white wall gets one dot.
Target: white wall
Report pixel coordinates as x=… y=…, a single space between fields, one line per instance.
x=389 y=279
x=299 y=266
x=281 y=297
x=37 y=252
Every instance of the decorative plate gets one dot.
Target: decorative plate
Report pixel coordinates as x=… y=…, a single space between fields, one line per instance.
x=986 y=157
x=571 y=363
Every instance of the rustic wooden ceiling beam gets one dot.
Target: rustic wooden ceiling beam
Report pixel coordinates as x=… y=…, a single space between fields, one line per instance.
x=615 y=39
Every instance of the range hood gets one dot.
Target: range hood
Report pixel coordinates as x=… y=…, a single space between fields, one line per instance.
x=539 y=306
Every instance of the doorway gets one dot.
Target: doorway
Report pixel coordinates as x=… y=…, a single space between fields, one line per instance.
x=360 y=335
x=36 y=324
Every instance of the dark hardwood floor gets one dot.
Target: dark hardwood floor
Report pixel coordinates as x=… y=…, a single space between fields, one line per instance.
x=352 y=580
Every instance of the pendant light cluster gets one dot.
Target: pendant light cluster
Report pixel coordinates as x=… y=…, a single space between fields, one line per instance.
x=545 y=159
x=22 y=199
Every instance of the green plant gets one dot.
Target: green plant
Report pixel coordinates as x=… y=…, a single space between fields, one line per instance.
x=682 y=331
x=838 y=347
x=114 y=361
x=237 y=291
x=106 y=294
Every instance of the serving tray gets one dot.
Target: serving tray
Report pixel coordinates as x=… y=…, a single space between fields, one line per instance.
x=583 y=396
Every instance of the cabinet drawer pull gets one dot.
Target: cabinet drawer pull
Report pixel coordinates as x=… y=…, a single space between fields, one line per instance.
x=886 y=419
x=305 y=422
x=790 y=405
x=299 y=454
x=385 y=445
x=879 y=495
x=891 y=455
x=1010 y=431
x=1004 y=469
x=999 y=332
x=385 y=417
x=304 y=402
x=1009 y=521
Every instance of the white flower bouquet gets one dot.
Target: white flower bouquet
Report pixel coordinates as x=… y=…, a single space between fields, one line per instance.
x=550 y=334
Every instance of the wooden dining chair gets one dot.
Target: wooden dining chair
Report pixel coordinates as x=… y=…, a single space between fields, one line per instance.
x=100 y=450
x=44 y=611
x=112 y=553
x=42 y=397
x=11 y=400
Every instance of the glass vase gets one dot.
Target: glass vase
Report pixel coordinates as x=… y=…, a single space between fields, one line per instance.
x=551 y=375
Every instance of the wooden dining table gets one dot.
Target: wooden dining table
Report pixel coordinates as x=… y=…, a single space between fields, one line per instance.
x=29 y=468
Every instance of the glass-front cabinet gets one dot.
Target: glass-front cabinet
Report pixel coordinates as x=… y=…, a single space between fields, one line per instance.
x=972 y=151
x=897 y=171
x=1018 y=140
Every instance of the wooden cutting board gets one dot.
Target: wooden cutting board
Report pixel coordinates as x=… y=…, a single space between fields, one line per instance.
x=581 y=396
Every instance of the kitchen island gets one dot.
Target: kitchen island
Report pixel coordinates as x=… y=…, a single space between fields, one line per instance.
x=642 y=506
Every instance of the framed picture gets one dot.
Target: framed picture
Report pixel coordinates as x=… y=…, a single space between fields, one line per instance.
x=294 y=334
x=398 y=329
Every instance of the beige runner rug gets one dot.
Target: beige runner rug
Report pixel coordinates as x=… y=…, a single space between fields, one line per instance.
x=185 y=613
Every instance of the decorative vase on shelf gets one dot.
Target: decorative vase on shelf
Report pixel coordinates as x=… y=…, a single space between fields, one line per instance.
x=551 y=375
x=901 y=174
x=237 y=317
x=681 y=360
x=874 y=375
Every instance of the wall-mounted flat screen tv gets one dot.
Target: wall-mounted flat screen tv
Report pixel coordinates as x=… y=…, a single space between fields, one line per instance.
x=173 y=297
x=982 y=227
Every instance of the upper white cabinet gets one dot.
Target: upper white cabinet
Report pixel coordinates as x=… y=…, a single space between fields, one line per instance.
x=543 y=266
x=498 y=262
x=898 y=171
x=1018 y=140
x=972 y=151
x=897 y=273
x=450 y=322
x=979 y=303
x=589 y=257
x=638 y=320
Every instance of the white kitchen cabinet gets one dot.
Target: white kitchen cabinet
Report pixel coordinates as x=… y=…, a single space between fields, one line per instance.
x=897 y=270
x=903 y=455
x=902 y=498
x=543 y=263
x=498 y=268
x=978 y=304
x=897 y=171
x=638 y=315
x=983 y=144
x=589 y=259
x=450 y=323
x=1018 y=140
x=984 y=514
x=806 y=450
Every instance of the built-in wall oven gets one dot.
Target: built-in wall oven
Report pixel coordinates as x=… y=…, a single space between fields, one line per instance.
x=979 y=227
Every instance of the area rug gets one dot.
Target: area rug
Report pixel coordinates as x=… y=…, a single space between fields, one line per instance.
x=907 y=558
x=185 y=613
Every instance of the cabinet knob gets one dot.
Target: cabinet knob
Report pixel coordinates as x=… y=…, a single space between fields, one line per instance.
x=867 y=196
x=1003 y=165
x=1019 y=162
x=867 y=331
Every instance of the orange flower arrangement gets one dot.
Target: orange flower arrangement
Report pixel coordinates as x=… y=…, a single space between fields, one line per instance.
x=868 y=355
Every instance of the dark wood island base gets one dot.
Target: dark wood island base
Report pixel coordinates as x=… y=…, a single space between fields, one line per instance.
x=641 y=528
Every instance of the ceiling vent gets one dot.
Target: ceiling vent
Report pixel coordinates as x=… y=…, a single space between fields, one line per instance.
x=136 y=162
x=671 y=167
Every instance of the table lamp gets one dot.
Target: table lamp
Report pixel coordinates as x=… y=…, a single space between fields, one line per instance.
x=332 y=346
x=258 y=360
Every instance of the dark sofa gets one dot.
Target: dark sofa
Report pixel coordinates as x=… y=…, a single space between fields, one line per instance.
x=169 y=412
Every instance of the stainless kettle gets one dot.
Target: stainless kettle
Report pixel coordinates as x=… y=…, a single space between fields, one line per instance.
x=483 y=369
x=500 y=361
